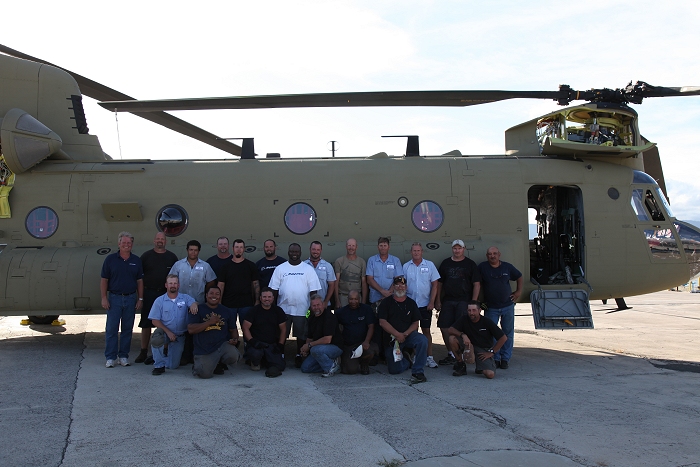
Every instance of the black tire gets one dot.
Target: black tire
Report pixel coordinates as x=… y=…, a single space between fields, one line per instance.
x=42 y=319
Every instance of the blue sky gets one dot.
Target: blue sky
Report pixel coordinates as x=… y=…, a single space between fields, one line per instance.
x=166 y=50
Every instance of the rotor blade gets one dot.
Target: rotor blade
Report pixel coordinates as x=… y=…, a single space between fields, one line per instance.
x=101 y=92
x=660 y=91
x=339 y=99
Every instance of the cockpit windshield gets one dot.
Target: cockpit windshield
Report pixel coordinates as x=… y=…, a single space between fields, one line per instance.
x=647 y=202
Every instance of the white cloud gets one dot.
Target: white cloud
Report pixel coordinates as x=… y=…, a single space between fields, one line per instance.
x=685 y=199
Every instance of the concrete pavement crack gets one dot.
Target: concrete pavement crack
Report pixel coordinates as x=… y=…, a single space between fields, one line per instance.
x=72 y=401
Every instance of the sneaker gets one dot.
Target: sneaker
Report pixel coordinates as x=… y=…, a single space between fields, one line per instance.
x=109 y=364
x=123 y=361
x=449 y=360
x=255 y=367
x=298 y=360
x=142 y=356
x=273 y=372
x=418 y=378
x=504 y=365
x=219 y=370
x=431 y=363
x=364 y=369
x=479 y=372
x=334 y=369
x=459 y=369
x=497 y=363
x=158 y=371
x=149 y=360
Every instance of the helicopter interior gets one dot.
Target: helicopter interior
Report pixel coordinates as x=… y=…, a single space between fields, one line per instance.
x=556 y=251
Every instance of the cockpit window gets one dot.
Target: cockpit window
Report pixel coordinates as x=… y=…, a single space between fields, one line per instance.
x=660 y=195
x=638 y=204
x=662 y=244
x=645 y=205
x=653 y=207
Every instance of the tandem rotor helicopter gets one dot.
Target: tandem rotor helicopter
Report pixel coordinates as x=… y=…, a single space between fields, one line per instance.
x=593 y=183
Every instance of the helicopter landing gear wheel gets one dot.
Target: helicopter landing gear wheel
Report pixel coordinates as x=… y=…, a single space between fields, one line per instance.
x=42 y=319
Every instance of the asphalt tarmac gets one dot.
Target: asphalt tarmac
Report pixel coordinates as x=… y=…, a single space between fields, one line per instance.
x=622 y=394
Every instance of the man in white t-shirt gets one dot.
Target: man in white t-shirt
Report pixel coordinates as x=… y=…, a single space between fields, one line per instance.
x=294 y=283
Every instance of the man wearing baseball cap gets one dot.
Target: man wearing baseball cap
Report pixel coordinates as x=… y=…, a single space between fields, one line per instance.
x=459 y=283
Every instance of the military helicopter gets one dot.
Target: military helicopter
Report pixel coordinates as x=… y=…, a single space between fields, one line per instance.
x=584 y=172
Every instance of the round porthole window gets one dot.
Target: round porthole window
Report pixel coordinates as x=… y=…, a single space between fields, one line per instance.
x=42 y=222
x=427 y=216
x=300 y=218
x=172 y=220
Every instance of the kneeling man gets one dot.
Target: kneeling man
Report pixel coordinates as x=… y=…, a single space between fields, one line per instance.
x=480 y=332
x=169 y=315
x=265 y=331
x=399 y=317
x=358 y=322
x=214 y=334
x=323 y=341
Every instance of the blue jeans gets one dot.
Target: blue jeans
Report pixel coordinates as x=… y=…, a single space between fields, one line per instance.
x=321 y=358
x=507 y=316
x=122 y=308
x=415 y=341
x=172 y=360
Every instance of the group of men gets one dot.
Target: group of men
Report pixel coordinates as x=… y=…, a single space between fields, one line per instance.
x=193 y=306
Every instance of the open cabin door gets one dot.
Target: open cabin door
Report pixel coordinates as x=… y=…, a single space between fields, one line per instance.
x=557 y=254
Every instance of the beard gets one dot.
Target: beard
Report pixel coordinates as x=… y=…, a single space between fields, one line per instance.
x=270 y=254
x=399 y=293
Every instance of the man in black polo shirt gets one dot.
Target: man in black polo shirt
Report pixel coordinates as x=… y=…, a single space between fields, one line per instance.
x=323 y=341
x=358 y=322
x=480 y=332
x=399 y=317
x=122 y=277
x=156 y=265
x=265 y=331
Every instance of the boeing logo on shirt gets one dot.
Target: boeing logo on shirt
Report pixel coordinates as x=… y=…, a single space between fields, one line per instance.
x=293 y=274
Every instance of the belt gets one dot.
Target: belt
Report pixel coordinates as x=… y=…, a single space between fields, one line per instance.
x=123 y=294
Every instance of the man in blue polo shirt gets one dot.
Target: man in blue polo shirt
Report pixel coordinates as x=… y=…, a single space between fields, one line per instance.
x=324 y=271
x=381 y=270
x=421 y=285
x=122 y=278
x=169 y=315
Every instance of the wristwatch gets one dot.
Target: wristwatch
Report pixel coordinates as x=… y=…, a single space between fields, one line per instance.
x=490 y=350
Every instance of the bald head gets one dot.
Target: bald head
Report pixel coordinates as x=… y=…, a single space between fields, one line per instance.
x=493 y=255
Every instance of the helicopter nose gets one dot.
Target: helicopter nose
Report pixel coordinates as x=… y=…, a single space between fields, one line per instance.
x=690 y=238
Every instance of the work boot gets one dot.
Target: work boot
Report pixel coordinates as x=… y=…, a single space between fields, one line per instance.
x=142 y=356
